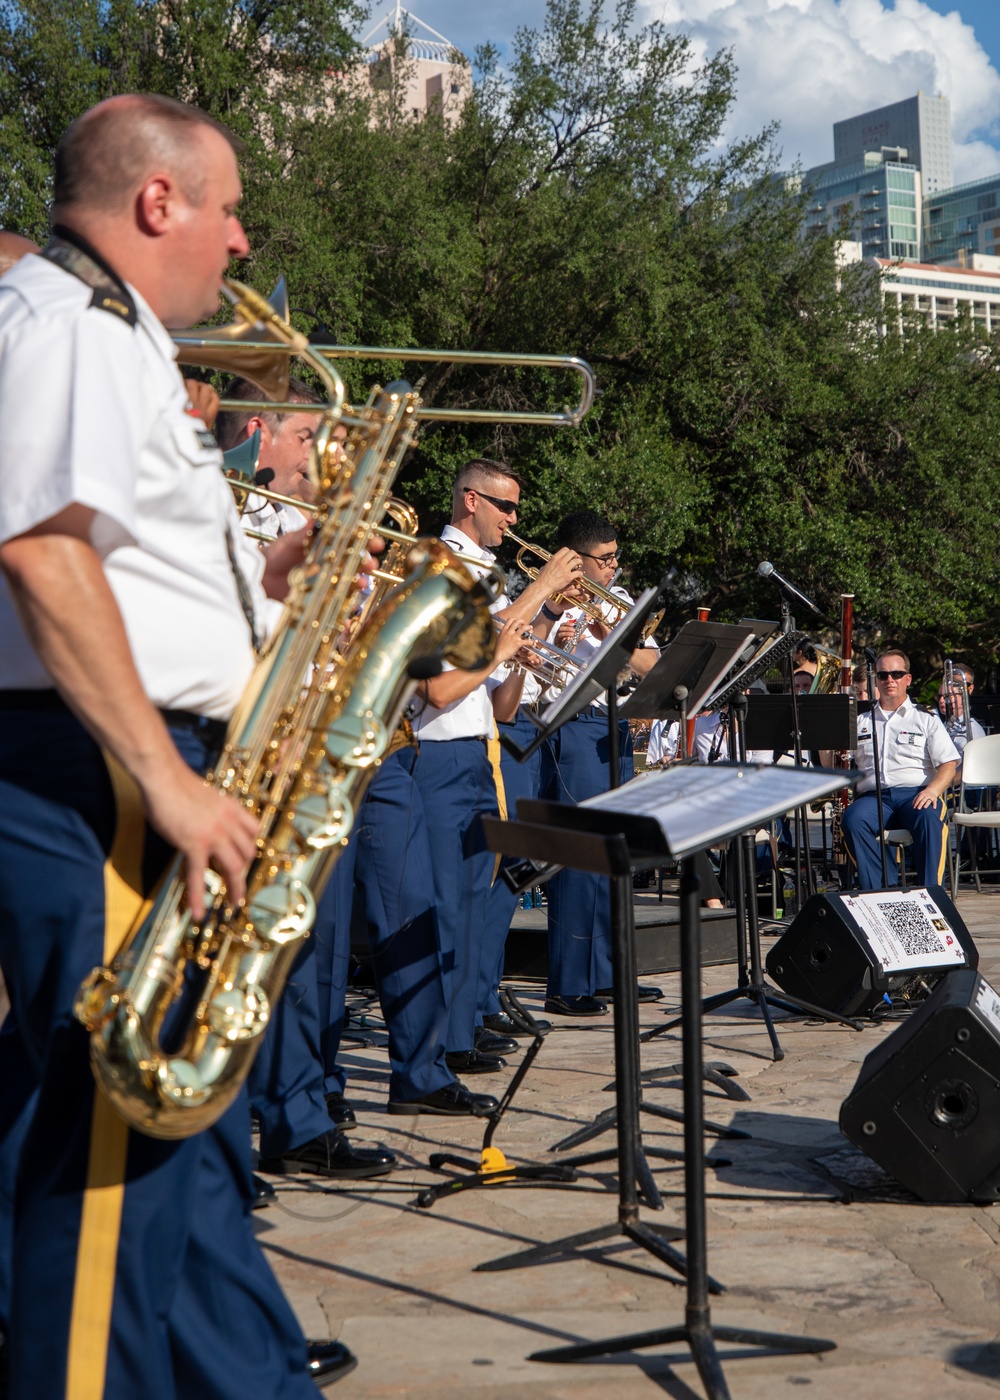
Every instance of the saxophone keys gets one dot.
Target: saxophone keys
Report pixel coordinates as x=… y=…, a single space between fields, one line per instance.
x=357 y=741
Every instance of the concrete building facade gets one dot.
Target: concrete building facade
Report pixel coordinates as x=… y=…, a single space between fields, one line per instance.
x=916 y=130
x=942 y=294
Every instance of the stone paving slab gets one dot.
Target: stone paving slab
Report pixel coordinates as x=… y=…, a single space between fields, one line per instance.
x=808 y=1236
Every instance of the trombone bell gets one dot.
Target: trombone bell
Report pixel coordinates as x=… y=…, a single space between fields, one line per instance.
x=219 y=347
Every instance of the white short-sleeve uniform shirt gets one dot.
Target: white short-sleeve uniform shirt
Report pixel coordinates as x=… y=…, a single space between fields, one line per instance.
x=472 y=716
x=93 y=411
x=912 y=745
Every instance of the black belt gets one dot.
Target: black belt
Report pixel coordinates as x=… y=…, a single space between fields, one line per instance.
x=212 y=730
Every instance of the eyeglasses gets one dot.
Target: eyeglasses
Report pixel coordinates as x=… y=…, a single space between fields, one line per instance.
x=896 y=675
x=505 y=507
x=601 y=558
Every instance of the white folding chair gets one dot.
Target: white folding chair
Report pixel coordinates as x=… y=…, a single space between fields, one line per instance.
x=980 y=769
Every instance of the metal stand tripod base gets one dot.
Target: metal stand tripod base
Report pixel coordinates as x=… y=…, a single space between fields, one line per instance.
x=763 y=997
x=608 y=1118
x=700 y=1336
x=654 y=1238
x=697 y=1331
x=478 y=1177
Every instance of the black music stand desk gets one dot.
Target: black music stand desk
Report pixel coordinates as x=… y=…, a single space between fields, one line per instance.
x=673 y=815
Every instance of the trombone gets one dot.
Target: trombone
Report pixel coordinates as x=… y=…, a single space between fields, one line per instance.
x=260 y=349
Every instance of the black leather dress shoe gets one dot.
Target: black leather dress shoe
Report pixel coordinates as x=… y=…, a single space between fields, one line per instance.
x=576 y=1006
x=263 y=1193
x=341 y=1113
x=453 y=1101
x=489 y=1044
x=331 y=1155
x=328 y=1361
x=502 y=1024
x=473 y=1062
x=645 y=993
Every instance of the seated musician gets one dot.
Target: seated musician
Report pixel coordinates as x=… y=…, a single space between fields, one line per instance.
x=917 y=761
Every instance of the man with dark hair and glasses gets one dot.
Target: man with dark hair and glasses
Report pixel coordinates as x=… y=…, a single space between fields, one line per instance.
x=575 y=766
x=917 y=760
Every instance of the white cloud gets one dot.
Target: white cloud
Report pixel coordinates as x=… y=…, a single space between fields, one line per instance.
x=808 y=63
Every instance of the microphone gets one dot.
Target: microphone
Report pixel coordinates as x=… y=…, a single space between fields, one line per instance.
x=767 y=570
x=264 y=477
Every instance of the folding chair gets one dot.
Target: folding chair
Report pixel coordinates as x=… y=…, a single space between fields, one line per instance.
x=980 y=769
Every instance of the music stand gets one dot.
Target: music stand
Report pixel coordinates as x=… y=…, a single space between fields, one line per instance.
x=688 y=671
x=832 y=723
x=675 y=814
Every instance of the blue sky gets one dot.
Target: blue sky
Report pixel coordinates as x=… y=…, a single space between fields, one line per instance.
x=807 y=63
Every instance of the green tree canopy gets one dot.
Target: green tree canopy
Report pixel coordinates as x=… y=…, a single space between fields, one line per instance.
x=582 y=201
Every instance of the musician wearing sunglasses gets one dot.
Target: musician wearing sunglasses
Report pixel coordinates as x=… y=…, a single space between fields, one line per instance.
x=456 y=765
x=917 y=760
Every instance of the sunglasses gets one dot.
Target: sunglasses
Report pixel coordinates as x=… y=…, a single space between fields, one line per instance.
x=505 y=507
x=896 y=675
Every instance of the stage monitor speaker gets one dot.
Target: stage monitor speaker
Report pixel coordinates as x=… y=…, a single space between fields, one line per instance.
x=926 y=1106
x=848 y=951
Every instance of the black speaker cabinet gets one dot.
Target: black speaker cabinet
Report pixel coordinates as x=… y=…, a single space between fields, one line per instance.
x=848 y=951
x=926 y=1106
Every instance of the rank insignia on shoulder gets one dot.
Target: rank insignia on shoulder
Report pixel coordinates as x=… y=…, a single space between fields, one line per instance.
x=205 y=438
x=112 y=304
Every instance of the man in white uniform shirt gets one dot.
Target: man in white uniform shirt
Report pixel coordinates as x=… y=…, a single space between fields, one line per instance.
x=129 y=608
x=453 y=723
x=575 y=766
x=917 y=760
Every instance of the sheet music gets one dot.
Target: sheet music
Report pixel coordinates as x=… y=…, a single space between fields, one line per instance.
x=697 y=806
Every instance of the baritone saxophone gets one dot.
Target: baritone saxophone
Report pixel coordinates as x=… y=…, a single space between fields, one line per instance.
x=177 y=1017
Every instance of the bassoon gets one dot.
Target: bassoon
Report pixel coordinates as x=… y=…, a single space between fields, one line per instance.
x=843 y=758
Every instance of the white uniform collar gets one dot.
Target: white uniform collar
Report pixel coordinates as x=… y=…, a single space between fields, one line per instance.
x=902 y=710
x=451 y=534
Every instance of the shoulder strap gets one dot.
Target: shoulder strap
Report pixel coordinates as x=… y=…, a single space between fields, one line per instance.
x=74 y=255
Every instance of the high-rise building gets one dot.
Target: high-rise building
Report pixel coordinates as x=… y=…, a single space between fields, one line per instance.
x=877 y=201
x=962 y=221
x=916 y=130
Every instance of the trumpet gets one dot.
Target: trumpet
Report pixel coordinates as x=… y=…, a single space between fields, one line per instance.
x=549 y=664
x=598 y=595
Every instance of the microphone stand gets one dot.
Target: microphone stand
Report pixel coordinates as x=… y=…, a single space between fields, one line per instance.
x=803 y=852
x=873 y=698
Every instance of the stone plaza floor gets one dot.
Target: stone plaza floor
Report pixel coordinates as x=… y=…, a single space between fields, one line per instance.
x=805 y=1233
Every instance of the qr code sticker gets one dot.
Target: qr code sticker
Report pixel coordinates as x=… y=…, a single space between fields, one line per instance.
x=911 y=926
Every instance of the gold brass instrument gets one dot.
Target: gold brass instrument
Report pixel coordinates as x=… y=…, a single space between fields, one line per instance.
x=257 y=354
x=597 y=594
x=956 y=702
x=309 y=731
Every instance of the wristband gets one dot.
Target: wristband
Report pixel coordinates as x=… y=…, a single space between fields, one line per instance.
x=552 y=616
